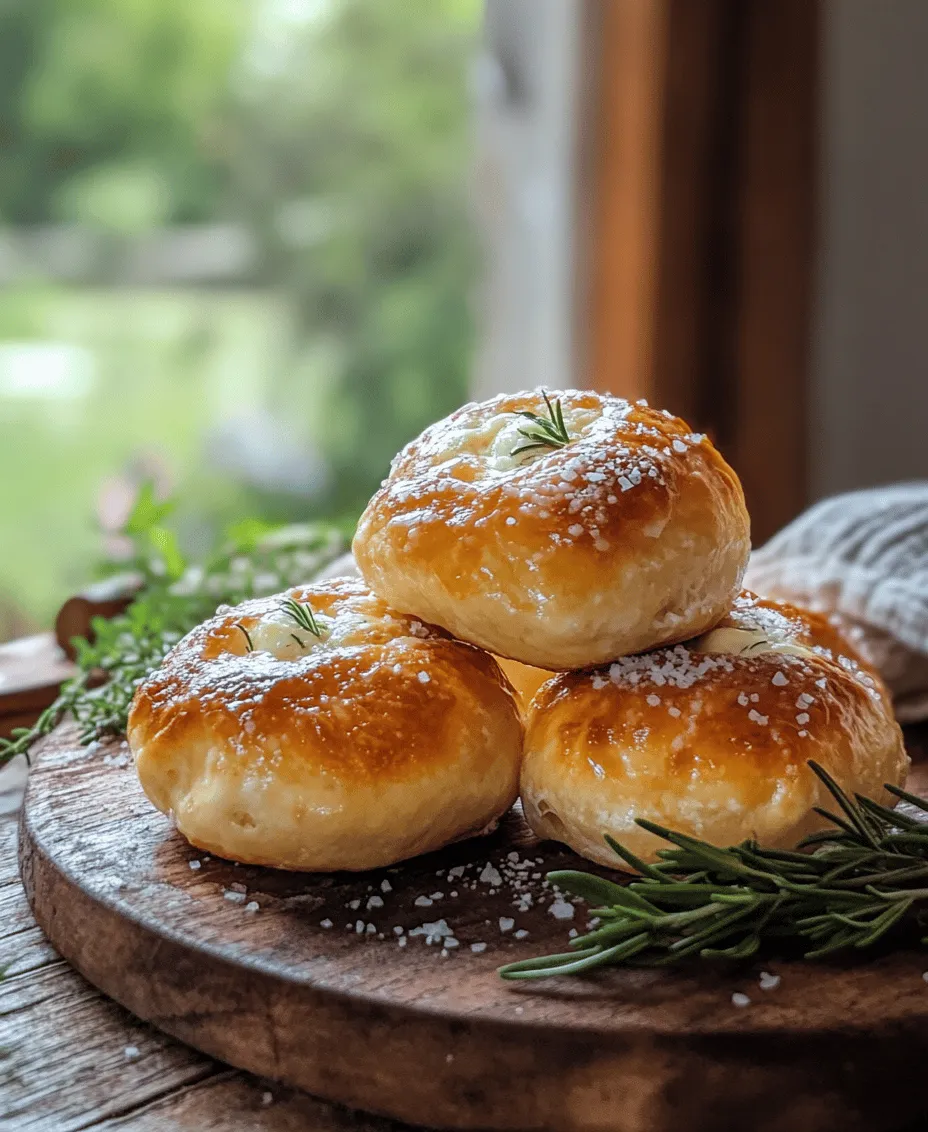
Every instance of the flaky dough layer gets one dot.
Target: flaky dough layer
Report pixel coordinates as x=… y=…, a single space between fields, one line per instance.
x=710 y=738
x=376 y=741
x=632 y=535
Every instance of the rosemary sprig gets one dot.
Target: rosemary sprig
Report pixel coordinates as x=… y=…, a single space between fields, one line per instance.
x=249 y=644
x=546 y=432
x=853 y=884
x=303 y=615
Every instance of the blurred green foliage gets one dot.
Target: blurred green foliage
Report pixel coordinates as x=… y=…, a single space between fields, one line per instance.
x=351 y=160
x=337 y=133
x=111 y=110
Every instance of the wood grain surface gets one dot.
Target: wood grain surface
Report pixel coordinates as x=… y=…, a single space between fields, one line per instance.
x=63 y=1062
x=441 y=1040
x=31 y=672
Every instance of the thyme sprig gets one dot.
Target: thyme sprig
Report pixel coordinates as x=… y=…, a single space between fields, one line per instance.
x=545 y=432
x=853 y=884
x=302 y=613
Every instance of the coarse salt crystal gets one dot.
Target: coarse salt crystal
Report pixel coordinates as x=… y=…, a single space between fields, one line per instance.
x=422 y=902
x=768 y=981
x=478 y=947
x=386 y=886
x=679 y=446
x=561 y=910
x=436 y=896
x=433 y=932
x=780 y=679
x=805 y=700
x=252 y=906
x=374 y=901
x=575 y=530
x=194 y=864
x=510 y=522
x=743 y=699
x=423 y=678
x=520 y=934
x=802 y=718
x=653 y=700
x=756 y=717
x=506 y=924
x=490 y=875
x=354 y=905
x=674 y=711
x=234 y=897
x=325 y=923
x=739 y=999
x=359 y=927
x=267 y=1098
x=131 y=1053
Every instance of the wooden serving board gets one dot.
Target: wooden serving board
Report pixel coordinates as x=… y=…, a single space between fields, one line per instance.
x=439 y=1039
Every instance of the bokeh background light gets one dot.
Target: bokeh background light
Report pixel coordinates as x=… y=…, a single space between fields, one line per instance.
x=236 y=257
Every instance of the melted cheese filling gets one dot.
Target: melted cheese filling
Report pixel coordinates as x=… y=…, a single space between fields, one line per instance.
x=278 y=634
x=744 y=642
x=499 y=435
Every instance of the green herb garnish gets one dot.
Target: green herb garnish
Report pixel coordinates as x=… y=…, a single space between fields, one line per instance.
x=254 y=560
x=546 y=432
x=249 y=644
x=858 y=881
x=303 y=615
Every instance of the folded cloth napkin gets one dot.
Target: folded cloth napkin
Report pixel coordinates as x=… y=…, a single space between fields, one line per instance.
x=862 y=558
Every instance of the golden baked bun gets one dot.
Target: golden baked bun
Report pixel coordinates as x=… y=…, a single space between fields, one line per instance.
x=524 y=679
x=631 y=535
x=378 y=740
x=710 y=738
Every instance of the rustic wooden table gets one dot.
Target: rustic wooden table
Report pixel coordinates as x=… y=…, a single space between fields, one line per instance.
x=71 y=1059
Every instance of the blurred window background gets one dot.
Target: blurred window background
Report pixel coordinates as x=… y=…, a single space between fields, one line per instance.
x=236 y=259
x=248 y=248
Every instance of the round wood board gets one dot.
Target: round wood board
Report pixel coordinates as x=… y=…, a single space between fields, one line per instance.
x=439 y=1039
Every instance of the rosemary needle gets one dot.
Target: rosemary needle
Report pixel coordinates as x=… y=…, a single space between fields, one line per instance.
x=545 y=432
x=302 y=614
x=843 y=889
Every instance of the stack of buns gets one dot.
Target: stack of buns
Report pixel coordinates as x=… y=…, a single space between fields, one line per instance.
x=549 y=604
